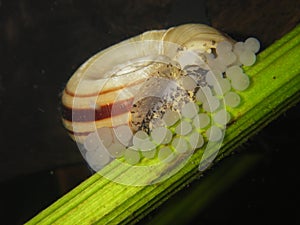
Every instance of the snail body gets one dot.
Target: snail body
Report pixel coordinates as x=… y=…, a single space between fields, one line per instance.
x=163 y=93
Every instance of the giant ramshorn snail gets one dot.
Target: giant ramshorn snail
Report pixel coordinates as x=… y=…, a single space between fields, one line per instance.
x=159 y=94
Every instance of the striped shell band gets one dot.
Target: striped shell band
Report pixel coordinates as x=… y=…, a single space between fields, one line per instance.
x=156 y=98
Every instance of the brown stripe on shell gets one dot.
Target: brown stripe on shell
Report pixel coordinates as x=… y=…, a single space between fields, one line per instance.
x=70 y=93
x=79 y=133
x=88 y=127
x=104 y=111
x=81 y=127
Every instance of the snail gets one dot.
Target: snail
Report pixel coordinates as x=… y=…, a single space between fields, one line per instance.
x=161 y=93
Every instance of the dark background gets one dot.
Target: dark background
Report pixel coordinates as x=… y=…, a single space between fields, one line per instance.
x=43 y=42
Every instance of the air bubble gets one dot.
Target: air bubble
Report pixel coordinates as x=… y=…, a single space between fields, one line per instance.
x=232 y=99
x=123 y=134
x=216 y=66
x=165 y=154
x=149 y=154
x=147 y=145
x=211 y=104
x=180 y=144
x=190 y=110
x=187 y=83
x=203 y=93
x=222 y=86
x=240 y=83
x=105 y=135
x=97 y=158
x=196 y=140
x=222 y=117
x=132 y=156
x=139 y=137
x=227 y=58
x=247 y=57
x=90 y=158
x=252 y=44
x=91 y=142
x=201 y=121
x=161 y=135
x=171 y=117
x=183 y=128
x=223 y=47
x=234 y=72
x=225 y=54
x=210 y=78
x=238 y=47
x=214 y=133
x=116 y=150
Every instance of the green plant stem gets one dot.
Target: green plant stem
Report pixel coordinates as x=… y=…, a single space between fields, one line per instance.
x=212 y=184
x=275 y=87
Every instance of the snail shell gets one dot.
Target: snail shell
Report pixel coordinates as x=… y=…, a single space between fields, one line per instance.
x=161 y=94
x=105 y=86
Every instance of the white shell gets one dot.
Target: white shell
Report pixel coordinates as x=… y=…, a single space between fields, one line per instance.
x=160 y=94
x=117 y=73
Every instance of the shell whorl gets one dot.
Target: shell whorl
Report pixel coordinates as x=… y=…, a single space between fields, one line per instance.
x=93 y=96
x=156 y=98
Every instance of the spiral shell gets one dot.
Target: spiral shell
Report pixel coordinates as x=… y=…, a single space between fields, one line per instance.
x=105 y=86
x=157 y=98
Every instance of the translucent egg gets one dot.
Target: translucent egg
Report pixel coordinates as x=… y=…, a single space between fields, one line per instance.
x=214 y=133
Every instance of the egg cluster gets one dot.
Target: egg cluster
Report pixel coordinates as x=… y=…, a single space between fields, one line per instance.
x=212 y=87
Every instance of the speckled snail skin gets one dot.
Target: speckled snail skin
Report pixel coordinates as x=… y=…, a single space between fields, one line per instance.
x=86 y=86
x=162 y=94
